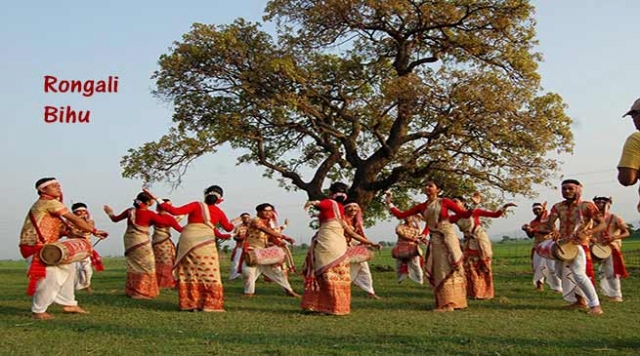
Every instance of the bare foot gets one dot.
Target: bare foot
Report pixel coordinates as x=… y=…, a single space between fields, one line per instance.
x=74 y=310
x=444 y=309
x=41 y=316
x=596 y=311
x=293 y=294
x=372 y=296
x=248 y=295
x=577 y=305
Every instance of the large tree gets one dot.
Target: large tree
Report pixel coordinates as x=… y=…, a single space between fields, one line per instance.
x=380 y=94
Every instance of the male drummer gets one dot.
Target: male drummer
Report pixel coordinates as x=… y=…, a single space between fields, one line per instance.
x=239 y=235
x=43 y=224
x=543 y=268
x=612 y=267
x=259 y=235
x=577 y=219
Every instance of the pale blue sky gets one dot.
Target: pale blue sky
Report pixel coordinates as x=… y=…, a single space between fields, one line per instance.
x=590 y=50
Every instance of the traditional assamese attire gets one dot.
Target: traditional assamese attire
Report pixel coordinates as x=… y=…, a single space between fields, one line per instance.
x=47 y=284
x=327 y=276
x=257 y=240
x=239 y=236
x=444 y=267
x=544 y=269
x=84 y=268
x=360 y=271
x=477 y=253
x=613 y=267
x=164 y=252
x=577 y=275
x=141 y=267
x=412 y=267
x=197 y=267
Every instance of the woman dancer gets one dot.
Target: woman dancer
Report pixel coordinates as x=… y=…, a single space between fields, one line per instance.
x=164 y=250
x=327 y=280
x=477 y=248
x=360 y=272
x=444 y=257
x=141 y=269
x=197 y=265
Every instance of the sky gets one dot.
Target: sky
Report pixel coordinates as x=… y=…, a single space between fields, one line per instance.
x=590 y=58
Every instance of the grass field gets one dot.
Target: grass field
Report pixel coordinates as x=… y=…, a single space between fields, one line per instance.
x=519 y=321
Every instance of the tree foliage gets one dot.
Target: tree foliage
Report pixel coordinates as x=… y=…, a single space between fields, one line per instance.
x=380 y=94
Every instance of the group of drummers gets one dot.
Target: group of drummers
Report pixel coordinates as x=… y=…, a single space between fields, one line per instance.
x=564 y=257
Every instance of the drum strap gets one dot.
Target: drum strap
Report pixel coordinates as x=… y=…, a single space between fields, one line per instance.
x=35 y=226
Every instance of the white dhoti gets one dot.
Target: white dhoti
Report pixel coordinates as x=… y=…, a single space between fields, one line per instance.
x=575 y=280
x=361 y=276
x=544 y=269
x=235 y=263
x=57 y=287
x=274 y=272
x=609 y=282
x=414 y=270
x=84 y=271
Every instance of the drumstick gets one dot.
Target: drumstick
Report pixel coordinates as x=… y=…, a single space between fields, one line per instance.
x=94 y=245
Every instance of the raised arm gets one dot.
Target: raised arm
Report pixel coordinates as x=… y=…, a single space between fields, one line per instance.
x=115 y=218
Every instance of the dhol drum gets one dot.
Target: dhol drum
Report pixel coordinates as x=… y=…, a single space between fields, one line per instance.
x=560 y=250
x=264 y=256
x=404 y=251
x=600 y=251
x=359 y=253
x=65 y=252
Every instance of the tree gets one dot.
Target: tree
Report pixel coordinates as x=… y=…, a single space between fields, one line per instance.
x=381 y=94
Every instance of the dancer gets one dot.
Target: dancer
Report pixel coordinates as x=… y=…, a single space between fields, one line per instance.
x=239 y=236
x=409 y=238
x=360 y=271
x=544 y=269
x=259 y=235
x=612 y=268
x=577 y=219
x=327 y=287
x=164 y=250
x=43 y=224
x=84 y=268
x=444 y=267
x=141 y=266
x=477 y=248
x=197 y=266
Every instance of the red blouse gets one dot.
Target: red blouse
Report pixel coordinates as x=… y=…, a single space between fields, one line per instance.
x=146 y=217
x=447 y=205
x=476 y=214
x=195 y=214
x=330 y=209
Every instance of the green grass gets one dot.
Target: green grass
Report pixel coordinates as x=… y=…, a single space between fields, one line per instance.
x=518 y=321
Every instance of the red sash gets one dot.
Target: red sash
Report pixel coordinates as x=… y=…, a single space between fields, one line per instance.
x=37 y=270
x=96 y=261
x=619 y=268
x=589 y=267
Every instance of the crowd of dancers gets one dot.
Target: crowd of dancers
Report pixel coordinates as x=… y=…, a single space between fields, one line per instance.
x=428 y=247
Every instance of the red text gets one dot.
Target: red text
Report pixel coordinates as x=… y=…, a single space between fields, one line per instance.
x=86 y=87
x=65 y=115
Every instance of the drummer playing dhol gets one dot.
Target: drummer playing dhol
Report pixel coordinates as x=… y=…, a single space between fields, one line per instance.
x=611 y=268
x=43 y=224
x=577 y=219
